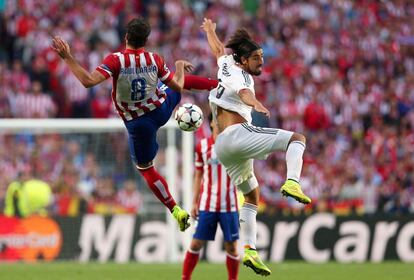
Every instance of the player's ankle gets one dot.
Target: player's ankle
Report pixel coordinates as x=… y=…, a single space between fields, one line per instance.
x=172 y=209
x=290 y=179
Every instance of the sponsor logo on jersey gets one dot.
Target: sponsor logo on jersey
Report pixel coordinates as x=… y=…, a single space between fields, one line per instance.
x=225 y=70
x=213 y=161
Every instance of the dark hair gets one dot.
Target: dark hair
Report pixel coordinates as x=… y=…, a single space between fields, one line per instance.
x=210 y=120
x=210 y=117
x=138 y=30
x=242 y=44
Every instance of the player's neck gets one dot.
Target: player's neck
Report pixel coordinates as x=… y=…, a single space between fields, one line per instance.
x=129 y=47
x=243 y=67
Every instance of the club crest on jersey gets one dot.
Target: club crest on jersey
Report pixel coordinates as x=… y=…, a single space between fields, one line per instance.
x=213 y=161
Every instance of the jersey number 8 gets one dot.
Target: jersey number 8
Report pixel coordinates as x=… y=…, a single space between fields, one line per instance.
x=138 y=86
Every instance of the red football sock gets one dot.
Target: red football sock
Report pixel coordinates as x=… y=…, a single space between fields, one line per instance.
x=232 y=263
x=200 y=83
x=190 y=261
x=158 y=186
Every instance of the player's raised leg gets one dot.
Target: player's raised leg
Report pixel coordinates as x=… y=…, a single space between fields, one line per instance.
x=143 y=149
x=158 y=185
x=294 y=162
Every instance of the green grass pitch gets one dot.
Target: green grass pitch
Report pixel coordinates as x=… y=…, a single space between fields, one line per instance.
x=204 y=271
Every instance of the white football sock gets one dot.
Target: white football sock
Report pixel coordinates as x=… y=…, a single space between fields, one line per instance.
x=294 y=159
x=248 y=226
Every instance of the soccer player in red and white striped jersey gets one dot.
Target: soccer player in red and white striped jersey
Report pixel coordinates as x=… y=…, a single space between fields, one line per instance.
x=34 y=104
x=217 y=193
x=214 y=202
x=143 y=107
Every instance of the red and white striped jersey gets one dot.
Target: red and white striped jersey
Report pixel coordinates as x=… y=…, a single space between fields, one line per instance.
x=28 y=105
x=217 y=193
x=135 y=76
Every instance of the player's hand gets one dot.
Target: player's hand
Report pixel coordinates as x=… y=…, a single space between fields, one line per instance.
x=188 y=67
x=61 y=47
x=261 y=109
x=208 y=25
x=194 y=211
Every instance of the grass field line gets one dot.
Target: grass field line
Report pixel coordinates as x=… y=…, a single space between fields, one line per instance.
x=290 y=270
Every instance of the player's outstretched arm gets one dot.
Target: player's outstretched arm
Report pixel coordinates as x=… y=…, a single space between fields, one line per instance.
x=87 y=79
x=177 y=83
x=248 y=98
x=214 y=42
x=199 y=83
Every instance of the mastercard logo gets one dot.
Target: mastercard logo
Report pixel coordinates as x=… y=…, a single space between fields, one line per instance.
x=30 y=239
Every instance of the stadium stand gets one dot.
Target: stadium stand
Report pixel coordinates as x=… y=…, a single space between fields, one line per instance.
x=340 y=72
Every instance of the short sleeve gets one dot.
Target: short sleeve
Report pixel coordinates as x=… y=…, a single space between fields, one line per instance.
x=164 y=73
x=228 y=59
x=198 y=162
x=109 y=66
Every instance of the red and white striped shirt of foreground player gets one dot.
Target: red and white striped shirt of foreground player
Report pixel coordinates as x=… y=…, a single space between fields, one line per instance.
x=217 y=193
x=143 y=96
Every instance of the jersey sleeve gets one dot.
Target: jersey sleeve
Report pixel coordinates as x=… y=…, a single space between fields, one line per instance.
x=236 y=80
x=198 y=162
x=228 y=59
x=199 y=83
x=164 y=73
x=110 y=66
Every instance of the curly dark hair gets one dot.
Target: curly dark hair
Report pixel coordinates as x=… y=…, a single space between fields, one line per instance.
x=242 y=44
x=138 y=30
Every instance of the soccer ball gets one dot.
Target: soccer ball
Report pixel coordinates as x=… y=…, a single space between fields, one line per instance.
x=189 y=117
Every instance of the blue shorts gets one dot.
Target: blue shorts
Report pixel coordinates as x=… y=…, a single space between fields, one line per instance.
x=207 y=225
x=142 y=131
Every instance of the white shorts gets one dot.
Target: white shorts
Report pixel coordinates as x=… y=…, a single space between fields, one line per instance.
x=239 y=144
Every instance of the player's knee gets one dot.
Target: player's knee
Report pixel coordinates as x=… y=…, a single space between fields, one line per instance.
x=298 y=137
x=231 y=248
x=249 y=185
x=196 y=245
x=252 y=197
x=143 y=166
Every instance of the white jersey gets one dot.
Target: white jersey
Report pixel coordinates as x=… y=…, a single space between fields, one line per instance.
x=232 y=79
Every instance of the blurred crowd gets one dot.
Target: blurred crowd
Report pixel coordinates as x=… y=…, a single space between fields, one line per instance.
x=340 y=72
x=85 y=173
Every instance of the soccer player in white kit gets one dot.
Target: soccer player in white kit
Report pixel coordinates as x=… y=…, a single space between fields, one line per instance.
x=239 y=142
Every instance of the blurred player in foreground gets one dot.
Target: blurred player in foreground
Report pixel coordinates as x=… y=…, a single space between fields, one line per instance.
x=143 y=107
x=214 y=202
x=239 y=142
